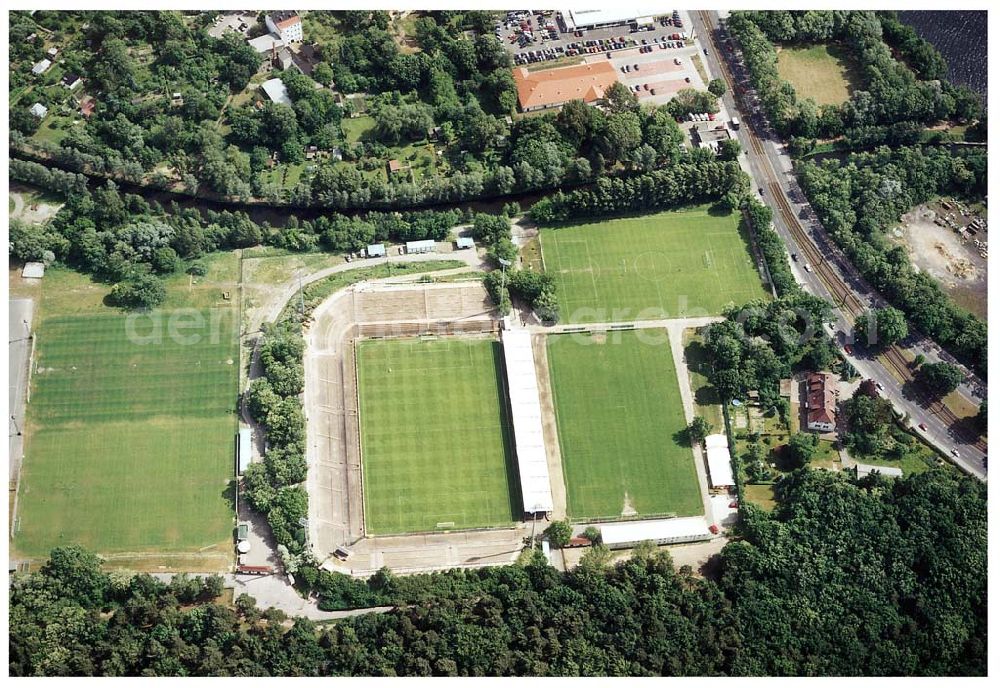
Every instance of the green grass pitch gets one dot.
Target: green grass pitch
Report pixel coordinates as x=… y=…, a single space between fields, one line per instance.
x=130 y=442
x=618 y=408
x=680 y=263
x=435 y=439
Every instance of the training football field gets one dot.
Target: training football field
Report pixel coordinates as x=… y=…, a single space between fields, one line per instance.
x=681 y=263
x=130 y=435
x=618 y=411
x=435 y=439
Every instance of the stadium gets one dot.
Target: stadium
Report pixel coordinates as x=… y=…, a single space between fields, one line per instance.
x=442 y=435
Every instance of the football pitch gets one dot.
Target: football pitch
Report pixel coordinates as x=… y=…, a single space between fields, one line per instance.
x=680 y=263
x=618 y=409
x=130 y=435
x=435 y=439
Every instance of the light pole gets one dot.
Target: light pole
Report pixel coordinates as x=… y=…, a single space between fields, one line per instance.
x=17 y=427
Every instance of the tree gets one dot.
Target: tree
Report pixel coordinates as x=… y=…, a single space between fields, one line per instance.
x=559 y=533
x=717 y=87
x=801 y=447
x=593 y=534
x=881 y=328
x=729 y=149
x=698 y=429
x=982 y=420
x=138 y=292
x=940 y=378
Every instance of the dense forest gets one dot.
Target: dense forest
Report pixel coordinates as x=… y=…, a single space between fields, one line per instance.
x=875 y=578
x=861 y=198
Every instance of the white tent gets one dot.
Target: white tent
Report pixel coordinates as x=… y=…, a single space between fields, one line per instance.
x=526 y=413
x=720 y=466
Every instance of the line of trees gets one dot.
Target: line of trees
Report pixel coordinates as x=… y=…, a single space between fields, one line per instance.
x=680 y=184
x=869 y=578
x=859 y=199
x=274 y=486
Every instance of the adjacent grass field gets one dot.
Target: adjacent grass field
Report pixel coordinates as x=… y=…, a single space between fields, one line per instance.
x=434 y=435
x=670 y=264
x=618 y=409
x=821 y=72
x=130 y=442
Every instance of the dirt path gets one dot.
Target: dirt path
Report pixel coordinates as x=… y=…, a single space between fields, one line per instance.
x=675 y=332
x=550 y=432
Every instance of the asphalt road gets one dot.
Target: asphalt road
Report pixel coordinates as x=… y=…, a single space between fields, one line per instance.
x=19 y=350
x=770 y=162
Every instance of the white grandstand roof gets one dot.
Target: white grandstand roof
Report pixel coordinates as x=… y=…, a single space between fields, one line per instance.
x=667 y=529
x=526 y=413
x=720 y=466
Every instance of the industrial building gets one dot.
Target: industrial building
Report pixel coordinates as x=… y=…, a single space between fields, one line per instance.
x=594 y=18
x=526 y=414
x=550 y=88
x=720 y=465
x=669 y=531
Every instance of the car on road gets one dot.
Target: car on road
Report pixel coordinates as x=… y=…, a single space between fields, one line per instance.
x=954 y=452
x=878 y=386
x=705 y=50
x=795 y=257
x=847 y=347
x=808 y=269
x=923 y=426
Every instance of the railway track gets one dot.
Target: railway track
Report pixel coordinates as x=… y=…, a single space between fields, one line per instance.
x=842 y=293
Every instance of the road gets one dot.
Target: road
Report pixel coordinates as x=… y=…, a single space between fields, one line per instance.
x=832 y=276
x=19 y=351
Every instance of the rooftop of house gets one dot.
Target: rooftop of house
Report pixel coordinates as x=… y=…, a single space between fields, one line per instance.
x=548 y=87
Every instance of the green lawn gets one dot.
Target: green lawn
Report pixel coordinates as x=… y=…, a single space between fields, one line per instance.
x=130 y=434
x=672 y=264
x=618 y=410
x=822 y=72
x=434 y=436
x=708 y=405
x=356 y=127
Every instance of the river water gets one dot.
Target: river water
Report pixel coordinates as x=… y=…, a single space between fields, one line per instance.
x=960 y=36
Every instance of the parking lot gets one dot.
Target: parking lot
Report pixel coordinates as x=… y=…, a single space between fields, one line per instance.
x=646 y=61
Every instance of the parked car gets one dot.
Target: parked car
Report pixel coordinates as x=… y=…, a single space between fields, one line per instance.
x=954 y=452
x=923 y=426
